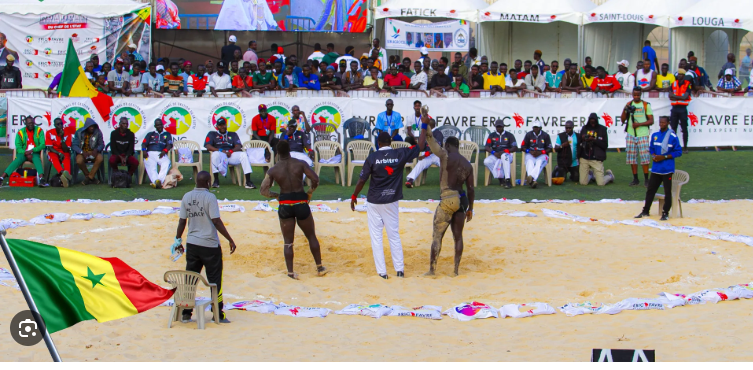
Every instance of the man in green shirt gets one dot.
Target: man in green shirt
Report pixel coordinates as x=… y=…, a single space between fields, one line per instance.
x=459 y=86
x=639 y=117
x=263 y=79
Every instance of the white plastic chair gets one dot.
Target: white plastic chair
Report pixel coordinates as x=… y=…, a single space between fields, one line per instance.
x=184 y=297
x=513 y=171
x=325 y=150
x=357 y=151
x=194 y=146
x=547 y=169
x=679 y=179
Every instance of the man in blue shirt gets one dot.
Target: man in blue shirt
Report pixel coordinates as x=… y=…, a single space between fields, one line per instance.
x=156 y=146
x=664 y=148
x=650 y=54
x=308 y=80
x=390 y=122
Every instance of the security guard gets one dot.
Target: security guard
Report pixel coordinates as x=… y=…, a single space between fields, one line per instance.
x=680 y=98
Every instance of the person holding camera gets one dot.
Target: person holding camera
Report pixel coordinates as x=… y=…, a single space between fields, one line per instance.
x=638 y=117
x=592 y=152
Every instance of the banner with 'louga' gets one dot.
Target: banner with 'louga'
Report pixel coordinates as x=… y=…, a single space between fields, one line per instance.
x=39 y=42
x=440 y=36
x=712 y=121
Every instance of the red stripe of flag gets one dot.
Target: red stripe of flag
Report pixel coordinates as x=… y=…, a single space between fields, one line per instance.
x=142 y=293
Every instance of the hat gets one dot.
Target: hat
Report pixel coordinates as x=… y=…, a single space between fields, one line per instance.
x=261 y=61
x=594 y=116
x=220 y=64
x=569 y=124
x=10 y=58
x=132 y=45
x=262 y=107
x=681 y=71
x=160 y=67
x=330 y=67
x=232 y=38
x=279 y=50
x=208 y=61
x=118 y=60
x=499 y=122
x=729 y=71
x=623 y=63
x=424 y=50
x=537 y=51
x=693 y=58
x=187 y=63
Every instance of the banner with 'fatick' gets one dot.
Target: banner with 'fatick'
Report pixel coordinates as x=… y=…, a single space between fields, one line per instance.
x=441 y=36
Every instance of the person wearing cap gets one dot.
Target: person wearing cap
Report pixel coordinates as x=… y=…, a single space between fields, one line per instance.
x=264 y=128
x=156 y=146
x=227 y=51
x=604 y=84
x=132 y=51
x=645 y=77
x=380 y=53
x=664 y=79
x=730 y=65
x=161 y=70
x=665 y=147
x=279 y=55
x=299 y=143
x=500 y=147
x=174 y=84
x=385 y=169
x=95 y=61
x=153 y=81
x=390 y=122
x=638 y=127
x=537 y=146
x=566 y=146
x=730 y=83
x=343 y=67
x=220 y=81
x=624 y=77
x=5 y=50
x=186 y=71
x=679 y=97
x=538 y=61
x=424 y=53
x=308 y=80
x=593 y=142
x=225 y=149
x=118 y=79
x=10 y=75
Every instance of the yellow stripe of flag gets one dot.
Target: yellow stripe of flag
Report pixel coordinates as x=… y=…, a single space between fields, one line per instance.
x=95 y=278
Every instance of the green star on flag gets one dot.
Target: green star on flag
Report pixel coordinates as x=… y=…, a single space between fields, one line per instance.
x=95 y=279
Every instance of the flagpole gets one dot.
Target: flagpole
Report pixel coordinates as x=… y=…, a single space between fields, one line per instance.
x=29 y=299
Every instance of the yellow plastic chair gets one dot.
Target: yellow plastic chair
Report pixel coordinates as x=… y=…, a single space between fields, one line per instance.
x=325 y=150
x=186 y=283
x=357 y=151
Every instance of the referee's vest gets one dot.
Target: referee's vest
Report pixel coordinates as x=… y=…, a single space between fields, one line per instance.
x=679 y=91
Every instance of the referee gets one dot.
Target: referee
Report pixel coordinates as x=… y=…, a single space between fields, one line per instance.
x=202 y=242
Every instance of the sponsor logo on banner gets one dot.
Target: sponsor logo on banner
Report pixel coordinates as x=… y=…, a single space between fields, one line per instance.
x=607 y=119
x=29 y=63
x=461 y=38
x=63 y=21
x=130 y=111
x=74 y=116
x=31 y=75
x=327 y=112
x=74 y=37
x=29 y=39
x=31 y=52
x=280 y=111
x=233 y=114
x=693 y=119
x=395 y=31
x=51 y=40
x=47 y=51
x=177 y=118
x=47 y=75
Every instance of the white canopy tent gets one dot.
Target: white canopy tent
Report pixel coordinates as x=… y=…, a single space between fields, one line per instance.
x=712 y=29
x=617 y=29
x=103 y=8
x=457 y=9
x=515 y=29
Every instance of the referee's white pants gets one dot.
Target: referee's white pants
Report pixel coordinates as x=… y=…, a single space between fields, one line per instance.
x=499 y=167
x=385 y=216
x=220 y=161
x=422 y=165
x=534 y=165
x=151 y=163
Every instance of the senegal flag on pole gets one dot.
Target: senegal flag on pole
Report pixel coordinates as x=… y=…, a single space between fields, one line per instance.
x=74 y=84
x=68 y=286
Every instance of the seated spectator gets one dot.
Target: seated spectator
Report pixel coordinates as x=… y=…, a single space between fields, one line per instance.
x=220 y=81
x=156 y=146
x=288 y=80
x=395 y=80
x=153 y=81
x=233 y=70
x=373 y=80
x=553 y=78
x=475 y=79
x=526 y=70
x=455 y=71
x=265 y=79
x=89 y=72
x=664 y=79
x=29 y=146
x=460 y=87
x=88 y=144
x=566 y=146
x=173 y=82
x=264 y=127
x=186 y=71
x=571 y=80
x=565 y=66
x=593 y=142
x=500 y=148
x=59 y=151
x=122 y=142
x=624 y=77
x=209 y=66
x=225 y=149
x=307 y=80
x=134 y=81
x=132 y=51
x=516 y=86
x=106 y=68
x=493 y=80
x=587 y=78
x=433 y=67
x=537 y=145
x=534 y=81
x=278 y=68
x=419 y=81
x=407 y=64
x=331 y=82
x=252 y=68
x=118 y=79
x=730 y=83
x=604 y=84
x=198 y=84
x=298 y=140
x=342 y=68
x=242 y=81
x=101 y=84
x=484 y=67
x=440 y=81
x=645 y=77
x=352 y=79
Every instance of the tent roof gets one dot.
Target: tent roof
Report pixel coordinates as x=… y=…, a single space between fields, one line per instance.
x=656 y=12
x=81 y=7
x=459 y=9
x=536 y=11
x=716 y=14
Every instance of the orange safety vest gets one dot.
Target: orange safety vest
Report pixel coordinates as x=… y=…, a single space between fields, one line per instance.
x=679 y=91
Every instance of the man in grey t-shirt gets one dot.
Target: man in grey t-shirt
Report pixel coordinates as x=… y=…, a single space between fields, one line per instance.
x=119 y=79
x=202 y=243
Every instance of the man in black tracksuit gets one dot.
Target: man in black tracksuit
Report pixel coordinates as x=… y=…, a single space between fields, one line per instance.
x=567 y=153
x=593 y=142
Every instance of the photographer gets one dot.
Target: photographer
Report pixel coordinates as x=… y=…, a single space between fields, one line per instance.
x=592 y=151
x=638 y=117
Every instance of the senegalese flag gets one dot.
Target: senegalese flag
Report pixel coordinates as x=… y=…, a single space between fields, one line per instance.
x=74 y=84
x=70 y=286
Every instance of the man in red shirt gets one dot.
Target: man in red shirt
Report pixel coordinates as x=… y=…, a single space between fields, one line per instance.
x=242 y=81
x=264 y=128
x=604 y=84
x=395 y=80
x=59 y=151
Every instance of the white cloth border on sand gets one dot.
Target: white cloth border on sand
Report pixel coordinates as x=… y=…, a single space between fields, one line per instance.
x=375 y=310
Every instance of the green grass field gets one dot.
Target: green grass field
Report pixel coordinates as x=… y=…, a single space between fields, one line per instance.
x=713 y=175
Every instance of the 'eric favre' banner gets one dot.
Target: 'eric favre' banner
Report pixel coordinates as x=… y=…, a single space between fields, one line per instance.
x=441 y=36
x=39 y=41
x=712 y=121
